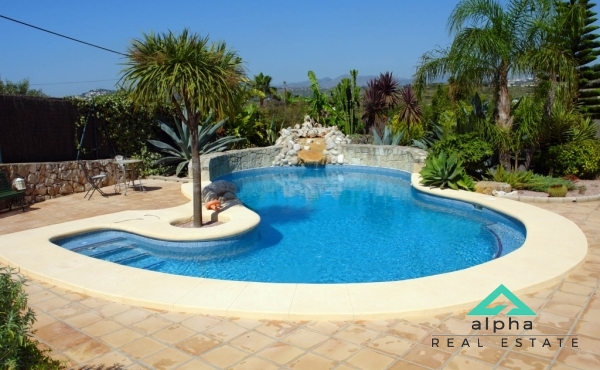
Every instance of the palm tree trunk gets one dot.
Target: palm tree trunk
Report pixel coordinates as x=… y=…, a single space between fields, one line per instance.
x=503 y=118
x=196 y=176
x=551 y=96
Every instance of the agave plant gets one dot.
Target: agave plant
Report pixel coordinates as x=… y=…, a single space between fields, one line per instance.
x=445 y=171
x=388 y=137
x=181 y=155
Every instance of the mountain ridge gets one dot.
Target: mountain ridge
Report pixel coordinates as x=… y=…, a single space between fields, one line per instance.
x=328 y=83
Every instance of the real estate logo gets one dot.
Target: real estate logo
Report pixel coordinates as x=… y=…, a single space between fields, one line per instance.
x=498 y=327
x=482 y=309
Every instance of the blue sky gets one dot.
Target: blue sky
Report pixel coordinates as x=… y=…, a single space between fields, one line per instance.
x=284 y=39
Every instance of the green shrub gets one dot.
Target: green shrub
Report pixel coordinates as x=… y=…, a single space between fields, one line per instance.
x=517 y=180
x=528 y=180
x=446 y=171
x=542 y=183
x=17 y=349
x=557 y=191
x=579 y=158
x=468 y=148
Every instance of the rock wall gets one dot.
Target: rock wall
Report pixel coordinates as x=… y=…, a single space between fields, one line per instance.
x=290 y=146
x=388 y=156
x=50 y=180
x=217 y=164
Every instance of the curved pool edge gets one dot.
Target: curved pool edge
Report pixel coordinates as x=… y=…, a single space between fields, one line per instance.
x=554 y=246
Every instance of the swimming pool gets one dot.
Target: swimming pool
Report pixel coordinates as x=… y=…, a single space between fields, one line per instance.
x=334 y=224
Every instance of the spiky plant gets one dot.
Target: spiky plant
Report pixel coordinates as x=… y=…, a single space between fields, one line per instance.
x=382 y=94
x=411 y=112
x=181 y=155
x=388 y=137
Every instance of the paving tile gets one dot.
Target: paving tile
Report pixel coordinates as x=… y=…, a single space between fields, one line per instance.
x=336 y=349
x=246 y=323
x=276 y=329
x=101 y=328
x=173 y=334
x=252 y=341
x=326 y=327
x=42 y=319
x=304 y=338
x=53 y=330
x=369 y=359
x=590 y=329
x=225 y=331
x=405 y=365
x=519 y=361
x=121 y=337
x=113 y=309
x=114 y=359
x=391 y=345
x=311 y=361
x=200 y=323
x=51 y=304
x=69 y=310
x=591 y=314
x=253 y=363
x=195 y=365
x=151 y=325
x=487 y=354
x=578 y=359
x=143 y=347
x=69 y=340
x=166 y=359
x=197 y=345
x=466 y=363
x=94 y=302
x=357 y=335
x=84 y=319
x=87 y=351
x=426 y=356
x=131 y=316
x=224 y=356
x=409 y=331
x=280 y=353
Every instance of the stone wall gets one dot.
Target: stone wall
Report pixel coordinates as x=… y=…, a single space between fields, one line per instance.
x=49 y=180
x=217 y=164
x=388 y=156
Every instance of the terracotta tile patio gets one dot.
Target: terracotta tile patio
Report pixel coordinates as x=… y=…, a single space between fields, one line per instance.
x=90 y=333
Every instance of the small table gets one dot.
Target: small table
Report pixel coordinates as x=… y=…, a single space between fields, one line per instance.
x=124 y=166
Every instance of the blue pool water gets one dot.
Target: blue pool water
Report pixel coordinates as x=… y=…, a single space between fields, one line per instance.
x=334 y=224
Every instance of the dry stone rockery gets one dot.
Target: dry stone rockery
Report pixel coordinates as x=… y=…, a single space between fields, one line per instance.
x=50 y=180
x=288 y=138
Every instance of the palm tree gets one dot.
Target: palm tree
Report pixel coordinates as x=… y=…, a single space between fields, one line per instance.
x=194 y=76
x=262 y=83
x=489 y=46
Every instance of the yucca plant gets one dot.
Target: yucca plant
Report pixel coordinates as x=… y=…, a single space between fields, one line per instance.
x=388 y=137
x=177 y=158
x=445 y=171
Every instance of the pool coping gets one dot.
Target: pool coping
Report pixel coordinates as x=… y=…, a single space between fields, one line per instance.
x=554 y=246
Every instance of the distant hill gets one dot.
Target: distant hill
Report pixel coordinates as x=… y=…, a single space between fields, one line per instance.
x=328 y=83
x=96 y=92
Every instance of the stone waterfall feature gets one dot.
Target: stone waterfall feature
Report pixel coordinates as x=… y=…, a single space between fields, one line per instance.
x=310 y=143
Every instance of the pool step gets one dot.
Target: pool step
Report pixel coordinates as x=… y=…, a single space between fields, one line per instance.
x=111 y=250
x=96 y=245
x=129 y=259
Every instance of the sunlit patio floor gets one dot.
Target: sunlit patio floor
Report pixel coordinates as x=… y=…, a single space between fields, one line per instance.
x=90 y=333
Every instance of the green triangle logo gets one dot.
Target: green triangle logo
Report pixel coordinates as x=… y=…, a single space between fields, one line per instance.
x=482 y=309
